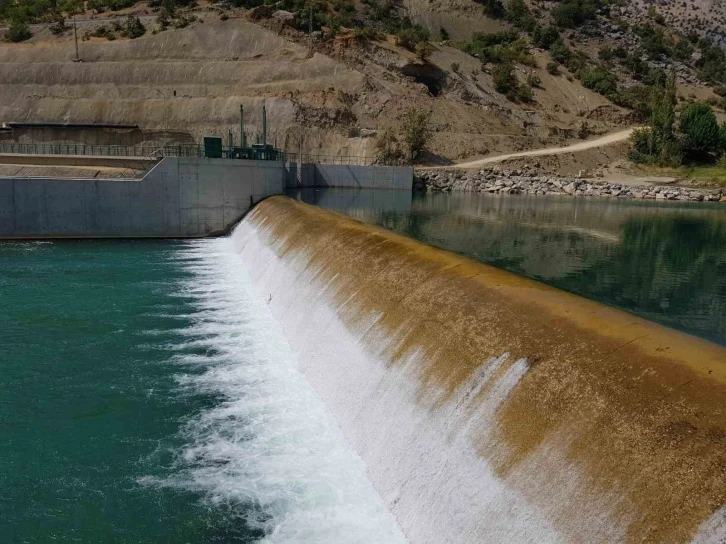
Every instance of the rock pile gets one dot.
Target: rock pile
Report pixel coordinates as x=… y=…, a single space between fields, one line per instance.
x=515 y=182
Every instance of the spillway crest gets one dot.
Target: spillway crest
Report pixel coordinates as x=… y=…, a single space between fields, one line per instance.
x=488 y=407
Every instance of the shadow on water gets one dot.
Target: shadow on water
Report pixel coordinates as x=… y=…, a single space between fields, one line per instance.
x=663 y=261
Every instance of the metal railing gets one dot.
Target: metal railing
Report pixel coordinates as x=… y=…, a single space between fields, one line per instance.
x=179 y=150
x=182 y=150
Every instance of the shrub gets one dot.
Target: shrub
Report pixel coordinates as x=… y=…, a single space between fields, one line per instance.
x=424 y=50
x=560 y=52
x=134 y=28
x=584 y=131
x=702 y=134
x=519 y=15
x=99 y=32
x=553 y=68
x=573 y=13
x=367 y=33
x=505 y=82
x=533 y=81
x=493 y=8
x=416 y=131
x=605 y=53
x=620 y=52
x=388 y=149
x=545 y=37
x=410 y=36
x=683 y=50
x=59 y=26
x=223 y=17
x=445 y=37
x=600 y=81
x=455 y=67
x=18 y=31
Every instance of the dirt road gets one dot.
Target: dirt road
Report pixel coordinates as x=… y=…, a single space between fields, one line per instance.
x=608 y=139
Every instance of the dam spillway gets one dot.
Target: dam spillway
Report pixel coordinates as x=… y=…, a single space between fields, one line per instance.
x=488 y=407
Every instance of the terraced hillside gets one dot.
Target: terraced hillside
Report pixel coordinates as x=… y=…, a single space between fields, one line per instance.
x=179 y=85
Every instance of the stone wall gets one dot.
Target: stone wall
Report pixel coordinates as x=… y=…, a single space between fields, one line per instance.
x=518 y=182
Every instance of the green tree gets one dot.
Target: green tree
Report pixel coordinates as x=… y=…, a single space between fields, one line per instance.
x=701 y=132
x=416 y=128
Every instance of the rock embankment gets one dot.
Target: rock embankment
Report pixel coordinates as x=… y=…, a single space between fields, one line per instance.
x=516 y=182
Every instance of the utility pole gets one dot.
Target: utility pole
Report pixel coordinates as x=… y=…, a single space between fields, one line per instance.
x=310 y=28
x=75 y=35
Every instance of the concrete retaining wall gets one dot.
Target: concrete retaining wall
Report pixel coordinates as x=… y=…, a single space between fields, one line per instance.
x=358 y=177
x=177 y=198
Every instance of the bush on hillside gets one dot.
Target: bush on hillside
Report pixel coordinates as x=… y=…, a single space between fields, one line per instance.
x=388 y=149
x=505 y=80
x=683 y=50
x=545 y=37
x=444 y=34
x=499 y=47
x=519 y=15
x=599 y=80
x=59 y=26
x=493 y=8
x=18 y=31
x=133 y=28
x=573 y=13
x=506 y=83
x=560 y=52
x=553 y=68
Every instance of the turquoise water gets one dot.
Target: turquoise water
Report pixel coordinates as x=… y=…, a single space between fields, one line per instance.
x=663 y=261
x=148 y=395
x=89 y=403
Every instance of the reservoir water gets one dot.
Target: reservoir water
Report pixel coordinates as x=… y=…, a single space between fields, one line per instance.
x=665 y=261
x=149 y=395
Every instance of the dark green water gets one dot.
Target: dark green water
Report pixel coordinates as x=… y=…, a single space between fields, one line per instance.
x=88 y=400
x=663 y=261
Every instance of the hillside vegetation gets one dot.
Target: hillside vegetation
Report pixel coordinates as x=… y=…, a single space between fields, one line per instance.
x=542 y=73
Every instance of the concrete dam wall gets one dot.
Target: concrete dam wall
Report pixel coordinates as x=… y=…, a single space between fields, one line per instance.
x=489 y=407
x=177 y=198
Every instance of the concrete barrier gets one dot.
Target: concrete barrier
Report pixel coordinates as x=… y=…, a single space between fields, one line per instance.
x=349 y=176
x=177 y=198
x=137 y=163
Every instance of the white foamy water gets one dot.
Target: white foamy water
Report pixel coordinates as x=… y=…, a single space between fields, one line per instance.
x=269 y=449
x=417 y=440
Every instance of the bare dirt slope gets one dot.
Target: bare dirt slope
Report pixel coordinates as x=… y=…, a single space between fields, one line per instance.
x=334 y=100
x=608 y=139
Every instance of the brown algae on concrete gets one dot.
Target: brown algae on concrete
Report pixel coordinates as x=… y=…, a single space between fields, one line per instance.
x=638 y=409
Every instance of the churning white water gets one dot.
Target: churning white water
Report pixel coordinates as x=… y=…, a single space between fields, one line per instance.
x=270 y=447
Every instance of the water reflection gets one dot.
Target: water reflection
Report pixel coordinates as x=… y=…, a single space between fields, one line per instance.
x=664 y=261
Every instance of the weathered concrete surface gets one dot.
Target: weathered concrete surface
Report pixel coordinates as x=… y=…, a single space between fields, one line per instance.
x=142 y=163
x=350 y=176
x=177 y=198
x=489 y=407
